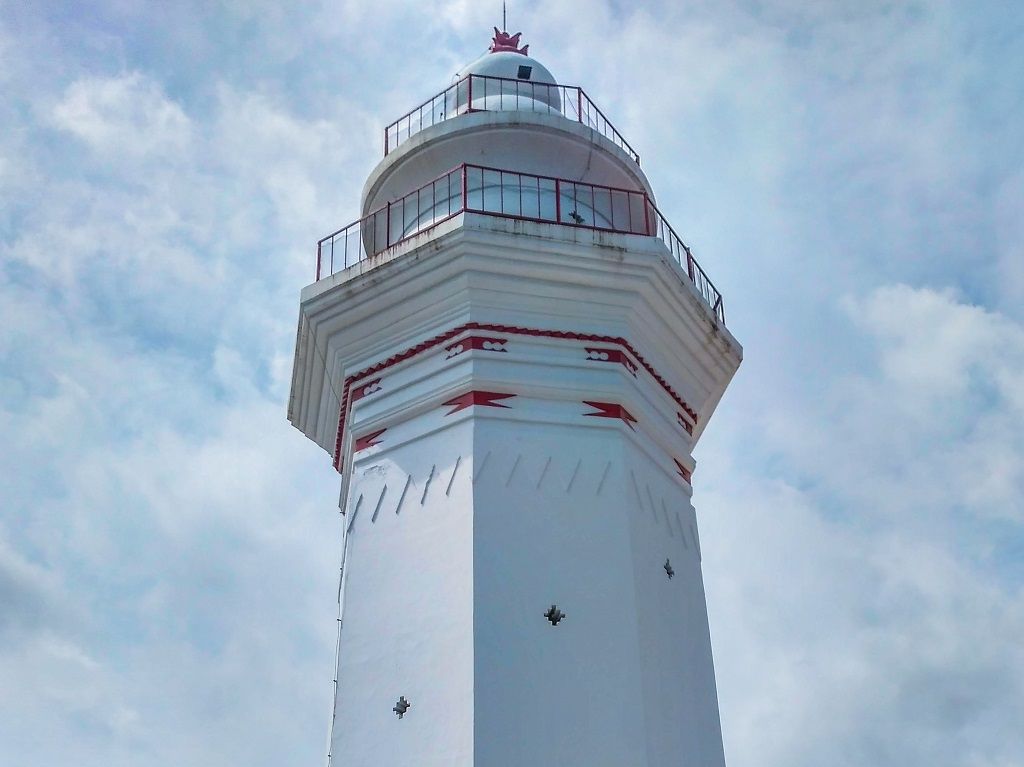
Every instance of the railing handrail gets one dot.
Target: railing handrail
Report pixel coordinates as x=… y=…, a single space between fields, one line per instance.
x=408 y=194
x=475 y=166
x=692 y=262
x=416 y=109
x=616 y=136
x=611 y=125
x=541 y=176
x=659 y=227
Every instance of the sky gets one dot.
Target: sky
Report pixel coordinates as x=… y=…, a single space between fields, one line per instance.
x=850 y=174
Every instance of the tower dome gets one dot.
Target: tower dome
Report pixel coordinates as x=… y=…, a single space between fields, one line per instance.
x=504 y=110
x=516 y=80
x=514 y=66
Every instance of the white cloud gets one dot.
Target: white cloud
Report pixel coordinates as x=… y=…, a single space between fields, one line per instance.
x=123 y=116
x=858 y=607
x=296 y=163
x=934 y=349
x=842 y=646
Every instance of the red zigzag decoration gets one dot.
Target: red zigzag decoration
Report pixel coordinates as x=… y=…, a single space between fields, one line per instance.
x=368 y=440
x=612 y=410
x=482 y=398
x=502 y=329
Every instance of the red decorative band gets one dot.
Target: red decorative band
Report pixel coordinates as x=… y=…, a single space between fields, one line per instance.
x=346 y=398
x=476 y=342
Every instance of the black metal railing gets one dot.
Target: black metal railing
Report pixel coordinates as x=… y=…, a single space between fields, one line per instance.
x=471 y=188
x=483 y=93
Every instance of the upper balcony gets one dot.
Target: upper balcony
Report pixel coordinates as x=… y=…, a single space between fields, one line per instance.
x=486 y=93
x=505 y=139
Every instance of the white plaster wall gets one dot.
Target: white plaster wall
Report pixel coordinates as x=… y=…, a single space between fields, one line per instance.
x=554 y=695
x=465 y=527
x=627 y=677
x=408 y=617
x=676 y=667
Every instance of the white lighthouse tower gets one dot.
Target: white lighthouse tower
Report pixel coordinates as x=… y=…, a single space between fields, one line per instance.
x=510 y=358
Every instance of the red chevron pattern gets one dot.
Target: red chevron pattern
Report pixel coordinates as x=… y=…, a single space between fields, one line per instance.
x=470 y=398
x=368 y=440
x=346 y=399
x=612 y=410
x=685 y=423
x=365 y=389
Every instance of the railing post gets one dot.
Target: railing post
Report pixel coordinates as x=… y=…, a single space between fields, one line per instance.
x=579 y=104
x=319 y=258
x=647 y=215
x=465 y=189
x=558 y=201
x=469 y=93
x=387 y=227
x=689 y=264
x=385 y=142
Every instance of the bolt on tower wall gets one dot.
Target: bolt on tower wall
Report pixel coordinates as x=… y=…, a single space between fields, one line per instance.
x=510 y=357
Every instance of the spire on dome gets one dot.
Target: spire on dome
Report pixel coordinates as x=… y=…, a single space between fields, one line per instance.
x=504 y=42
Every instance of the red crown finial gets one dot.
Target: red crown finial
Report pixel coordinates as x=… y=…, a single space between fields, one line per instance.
x=504 y=42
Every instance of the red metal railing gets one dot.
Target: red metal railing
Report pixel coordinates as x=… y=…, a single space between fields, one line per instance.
x=483 y=93
x=508 y=194
x=393 y=223
x=680 y=251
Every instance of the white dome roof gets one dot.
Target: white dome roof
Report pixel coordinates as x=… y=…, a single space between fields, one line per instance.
x=522 y=84
x=506 y=59
x=510 y=65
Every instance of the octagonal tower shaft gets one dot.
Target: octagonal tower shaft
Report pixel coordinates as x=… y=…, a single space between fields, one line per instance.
x=513 y=401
